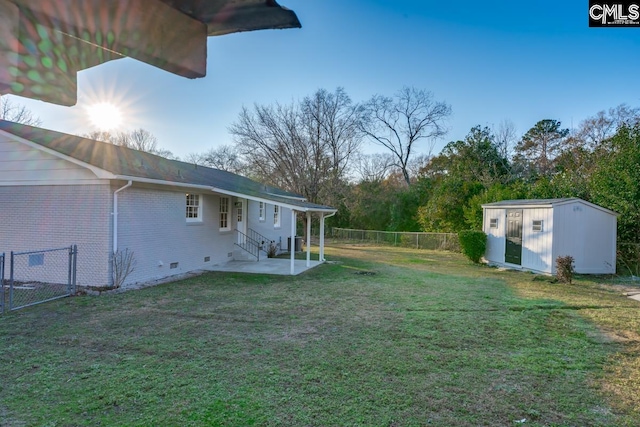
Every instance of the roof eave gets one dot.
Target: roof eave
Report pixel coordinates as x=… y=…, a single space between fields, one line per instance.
x=267 y=200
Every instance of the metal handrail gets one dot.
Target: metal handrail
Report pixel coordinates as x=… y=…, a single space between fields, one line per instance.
x=253 y=234
x=250 y=245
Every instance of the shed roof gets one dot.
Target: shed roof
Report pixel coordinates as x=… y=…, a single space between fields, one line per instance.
x=544 y=203
x=126 y=163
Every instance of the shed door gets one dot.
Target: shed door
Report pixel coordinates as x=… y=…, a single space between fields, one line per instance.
x=513 y=252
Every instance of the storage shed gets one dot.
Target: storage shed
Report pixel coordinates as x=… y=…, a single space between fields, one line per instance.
x=531 y=234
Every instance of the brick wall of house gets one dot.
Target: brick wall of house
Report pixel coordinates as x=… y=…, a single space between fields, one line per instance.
x=35 y=217
x=266 y=227
x=152 y=224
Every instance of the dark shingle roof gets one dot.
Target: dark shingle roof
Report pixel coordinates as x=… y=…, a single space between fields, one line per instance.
x=139 y=164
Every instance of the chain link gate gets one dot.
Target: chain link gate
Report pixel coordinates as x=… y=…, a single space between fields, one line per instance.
x=38 y=276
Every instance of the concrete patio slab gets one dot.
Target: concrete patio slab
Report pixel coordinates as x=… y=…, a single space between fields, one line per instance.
x=275 y=266
x=635 y=297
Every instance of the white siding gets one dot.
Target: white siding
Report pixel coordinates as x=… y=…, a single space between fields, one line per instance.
x=584 y=231
x=495 y=236
x=537 y=245
x=587 y=234
x=22 y=165
x=44 y=217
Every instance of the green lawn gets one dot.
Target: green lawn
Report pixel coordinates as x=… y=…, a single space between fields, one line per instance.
x=383 y=337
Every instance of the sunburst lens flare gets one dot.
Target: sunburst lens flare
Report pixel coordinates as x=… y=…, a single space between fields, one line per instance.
x=105 y=116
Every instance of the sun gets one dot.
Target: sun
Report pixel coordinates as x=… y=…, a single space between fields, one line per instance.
x=105 y=116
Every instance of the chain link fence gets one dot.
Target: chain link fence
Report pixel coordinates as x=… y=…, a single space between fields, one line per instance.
x=38 y=276
x=433 y=241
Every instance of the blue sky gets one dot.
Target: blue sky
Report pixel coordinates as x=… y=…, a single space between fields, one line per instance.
x=522 y=61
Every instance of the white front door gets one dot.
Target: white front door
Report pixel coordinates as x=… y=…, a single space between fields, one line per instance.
x=241 y=219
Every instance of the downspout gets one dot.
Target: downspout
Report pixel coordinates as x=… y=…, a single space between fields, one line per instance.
x=292 y=245
x=115 y=215
x=321 y=252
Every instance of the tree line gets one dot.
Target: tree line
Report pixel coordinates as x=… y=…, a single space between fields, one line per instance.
x=314 y=147
x=598 y=162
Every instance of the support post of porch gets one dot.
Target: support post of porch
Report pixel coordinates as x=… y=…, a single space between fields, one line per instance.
x=321 y=250
x=308 y=242
x=292 y=245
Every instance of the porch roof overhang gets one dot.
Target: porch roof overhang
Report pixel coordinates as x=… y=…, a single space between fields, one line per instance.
x=293 y=204
x=45 y=43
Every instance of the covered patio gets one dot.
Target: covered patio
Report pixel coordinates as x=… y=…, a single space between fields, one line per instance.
x=275 y=266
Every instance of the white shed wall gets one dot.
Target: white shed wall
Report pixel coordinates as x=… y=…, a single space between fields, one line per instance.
x=578 y=229
x=587 y=234
x=496 y=240
x=537 y=250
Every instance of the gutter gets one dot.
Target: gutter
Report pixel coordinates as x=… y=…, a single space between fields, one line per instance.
x=273 y=202
x=221 y=191
x=115 y=214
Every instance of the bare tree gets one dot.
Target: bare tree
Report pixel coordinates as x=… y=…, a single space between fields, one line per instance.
x=417 y=163
x=138 y=139
x=400 y=122
x=17 y=113
x=102 y=135
x=374 y=167
x=195 y=158
x=333 y=121
x=224 y=157
x=304 y=147
x=596 y=130
x=505 y=137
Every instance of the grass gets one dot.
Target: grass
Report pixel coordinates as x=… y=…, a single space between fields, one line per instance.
x=383 y=337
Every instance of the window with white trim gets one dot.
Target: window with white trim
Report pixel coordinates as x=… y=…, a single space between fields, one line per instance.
x=493 y=223
x=538 y=225
x=194 y=208
x=261 y=211
x=224 y=214
x=276 y=216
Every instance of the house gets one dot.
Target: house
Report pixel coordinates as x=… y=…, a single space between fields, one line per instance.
x=57 y=190
x=532 y=234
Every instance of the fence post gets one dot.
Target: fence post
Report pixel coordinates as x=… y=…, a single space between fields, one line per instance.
x=70 y=264
x=75 y=267
x=71 y=278
x=11 y=282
